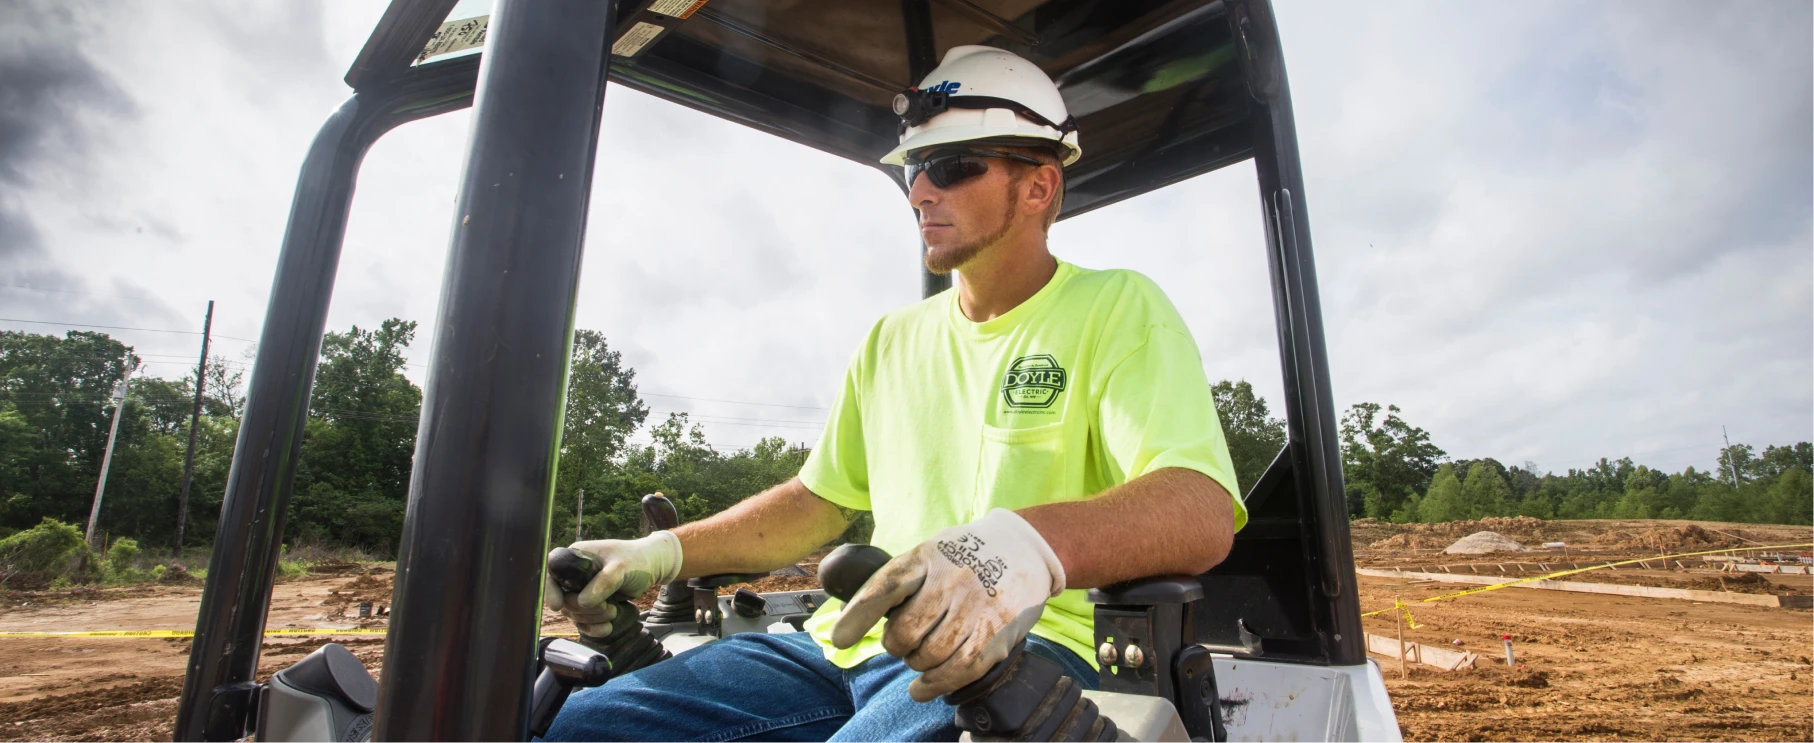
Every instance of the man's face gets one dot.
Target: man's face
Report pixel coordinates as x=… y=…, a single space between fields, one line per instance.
x=957 y=223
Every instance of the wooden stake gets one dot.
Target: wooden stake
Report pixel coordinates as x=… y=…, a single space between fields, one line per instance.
x=1404 y=670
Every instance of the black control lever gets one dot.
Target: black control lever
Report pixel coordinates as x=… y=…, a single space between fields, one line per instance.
x=674 y=604
x=566 y=665
x=1024 y=697
x=628 y=645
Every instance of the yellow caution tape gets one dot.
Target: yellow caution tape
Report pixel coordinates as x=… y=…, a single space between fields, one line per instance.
x=1396 y=604
x=1405 y=609
x=1560 y=573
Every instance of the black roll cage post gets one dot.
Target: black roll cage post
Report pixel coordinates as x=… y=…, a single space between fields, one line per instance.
x=218 y=687
x=491 y=414
x=488 y=440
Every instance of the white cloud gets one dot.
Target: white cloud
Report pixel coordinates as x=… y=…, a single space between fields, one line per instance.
x=1547 y=231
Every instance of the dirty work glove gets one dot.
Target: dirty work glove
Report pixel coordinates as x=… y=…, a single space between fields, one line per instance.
x=958 y=602
x=630 y=567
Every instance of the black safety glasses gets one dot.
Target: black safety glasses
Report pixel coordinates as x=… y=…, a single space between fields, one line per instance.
x=947 y=168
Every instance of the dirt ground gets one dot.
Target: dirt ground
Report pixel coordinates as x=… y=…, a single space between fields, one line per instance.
x=1593 y=667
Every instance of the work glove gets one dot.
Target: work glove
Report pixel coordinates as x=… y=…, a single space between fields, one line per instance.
x=631 y=566
x=958 y=602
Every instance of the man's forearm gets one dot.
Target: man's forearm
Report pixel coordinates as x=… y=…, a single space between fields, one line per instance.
x=767 y=531
x=1166 y=522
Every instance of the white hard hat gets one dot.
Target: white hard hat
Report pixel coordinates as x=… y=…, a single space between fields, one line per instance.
x=983 y=93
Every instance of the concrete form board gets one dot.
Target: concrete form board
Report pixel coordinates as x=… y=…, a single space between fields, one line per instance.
x=1435 y=657
x=1722 y=597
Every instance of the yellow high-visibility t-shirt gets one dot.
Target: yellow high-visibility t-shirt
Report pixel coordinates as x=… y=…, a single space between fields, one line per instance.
x=1091 y=382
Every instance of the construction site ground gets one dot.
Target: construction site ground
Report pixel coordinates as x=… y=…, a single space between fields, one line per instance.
x=1590 y=667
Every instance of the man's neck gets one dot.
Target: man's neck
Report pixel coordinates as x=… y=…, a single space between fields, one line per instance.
x=1002 y=277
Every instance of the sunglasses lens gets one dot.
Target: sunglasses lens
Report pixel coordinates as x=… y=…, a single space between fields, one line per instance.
x=946 y=171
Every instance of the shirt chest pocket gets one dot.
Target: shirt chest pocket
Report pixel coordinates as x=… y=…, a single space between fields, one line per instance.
x=1021 y=467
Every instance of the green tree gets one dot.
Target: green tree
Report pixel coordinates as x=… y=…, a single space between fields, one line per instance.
x=1385 y=460
x=1789 y=498
x=1445 y=501
x=1777 y=460
x=1485 y=492
x=603 y=410
x=1739 y=462
x=357 y=447
x=1254 y=436
x=62 y=387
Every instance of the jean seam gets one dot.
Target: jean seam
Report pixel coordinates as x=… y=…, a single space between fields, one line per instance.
x=771 y=725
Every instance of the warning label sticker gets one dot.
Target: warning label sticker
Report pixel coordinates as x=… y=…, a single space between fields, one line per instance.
x=638 y=37
x=456 y=36
x=681 y=9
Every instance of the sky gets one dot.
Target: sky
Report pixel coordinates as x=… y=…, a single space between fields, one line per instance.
x=1549 y=232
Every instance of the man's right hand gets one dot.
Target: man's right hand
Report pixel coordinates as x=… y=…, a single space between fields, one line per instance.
x=630 y=568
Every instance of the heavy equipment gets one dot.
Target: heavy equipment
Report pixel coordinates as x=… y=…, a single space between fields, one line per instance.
x=1268 y=645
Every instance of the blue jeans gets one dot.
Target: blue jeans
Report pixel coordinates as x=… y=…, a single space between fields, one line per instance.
x=770 y=687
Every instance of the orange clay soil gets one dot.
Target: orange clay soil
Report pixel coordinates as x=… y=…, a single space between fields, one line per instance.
x=1594 y=667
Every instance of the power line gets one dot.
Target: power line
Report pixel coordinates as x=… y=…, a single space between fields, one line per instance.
x=734 y=402
x=72 y=291
x=708 y=416
x=119 y=327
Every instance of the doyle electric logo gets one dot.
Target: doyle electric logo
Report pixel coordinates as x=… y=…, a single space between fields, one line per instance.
x=947 y=87
x=1032 y=382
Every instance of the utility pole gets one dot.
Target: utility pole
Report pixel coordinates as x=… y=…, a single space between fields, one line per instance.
x=119 y=404
x=579 y=515
x=1731 y=466
x=195 y=417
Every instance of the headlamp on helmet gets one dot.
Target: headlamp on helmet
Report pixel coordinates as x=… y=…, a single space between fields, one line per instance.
x=916 y=107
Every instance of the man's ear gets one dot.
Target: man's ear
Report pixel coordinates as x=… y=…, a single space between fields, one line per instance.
x=1041 y=188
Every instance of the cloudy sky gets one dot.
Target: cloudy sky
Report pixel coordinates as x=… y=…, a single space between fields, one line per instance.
x=1547 y=231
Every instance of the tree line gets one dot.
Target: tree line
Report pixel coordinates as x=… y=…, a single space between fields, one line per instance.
x=353 y=476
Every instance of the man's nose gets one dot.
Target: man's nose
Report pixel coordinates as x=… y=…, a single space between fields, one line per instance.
x=922 y=194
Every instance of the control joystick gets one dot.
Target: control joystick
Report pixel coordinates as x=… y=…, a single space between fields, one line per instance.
x=627 y=644
x=674 y=603
x=1022 y=698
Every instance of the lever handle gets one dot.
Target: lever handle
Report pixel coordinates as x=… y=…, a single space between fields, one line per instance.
x=1024 y=697
x=658 y=513
x=628 y=645
x=573 y=569
x=848 y=567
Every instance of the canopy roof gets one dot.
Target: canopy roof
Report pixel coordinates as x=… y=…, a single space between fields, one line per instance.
x=1157 y=87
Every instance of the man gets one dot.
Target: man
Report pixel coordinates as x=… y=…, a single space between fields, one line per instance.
x=1038 y=430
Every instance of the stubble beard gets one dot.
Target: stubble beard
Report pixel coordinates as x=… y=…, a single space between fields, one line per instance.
x=941 y=261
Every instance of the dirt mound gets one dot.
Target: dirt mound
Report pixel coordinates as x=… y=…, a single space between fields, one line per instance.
x=1738 y=583
x=372 y=585
x=1524 y=678
x=1438 y=536
x=1680 y=539
x=1483 y=542
x=337 y=567
x=791 y=578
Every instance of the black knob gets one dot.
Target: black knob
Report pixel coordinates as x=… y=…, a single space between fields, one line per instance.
x=848 y=567
x=573 y=569
x=748 y=604
x=658 y=513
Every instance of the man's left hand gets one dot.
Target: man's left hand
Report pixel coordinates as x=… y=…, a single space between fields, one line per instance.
x=958 y=602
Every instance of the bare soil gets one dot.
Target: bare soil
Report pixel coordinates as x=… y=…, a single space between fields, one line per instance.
x=1596 y=667
x=1593 y=667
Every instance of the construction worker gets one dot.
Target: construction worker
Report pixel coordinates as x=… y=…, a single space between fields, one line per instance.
x=1037 y=430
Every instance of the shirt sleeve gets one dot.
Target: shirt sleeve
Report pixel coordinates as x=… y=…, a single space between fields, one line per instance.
x=838 y=468
x=1157 y=412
